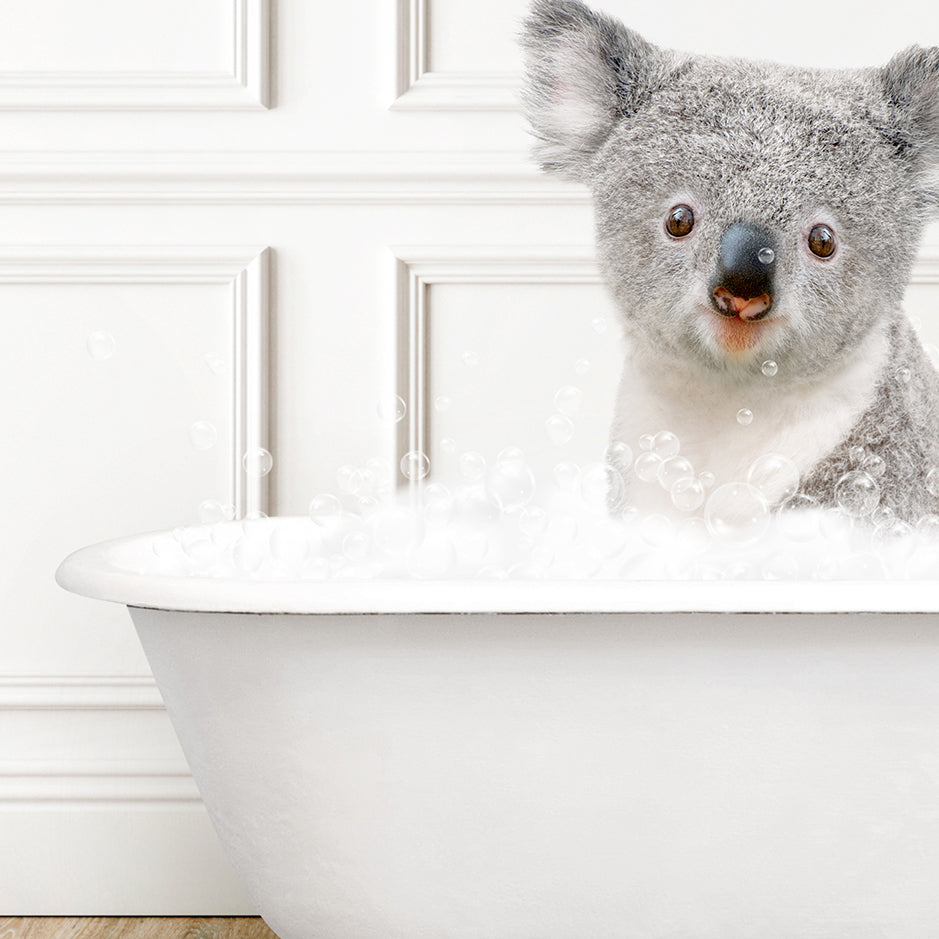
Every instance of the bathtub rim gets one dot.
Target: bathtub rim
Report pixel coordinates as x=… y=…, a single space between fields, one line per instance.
x=91 y=572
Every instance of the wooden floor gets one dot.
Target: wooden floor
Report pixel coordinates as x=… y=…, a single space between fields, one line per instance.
x=133 y=927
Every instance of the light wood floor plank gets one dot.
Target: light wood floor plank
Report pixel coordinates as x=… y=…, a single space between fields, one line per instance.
x=133 y=927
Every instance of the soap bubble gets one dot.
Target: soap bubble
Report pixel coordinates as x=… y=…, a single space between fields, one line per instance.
x=442 y=403
x=856 y=454
x=476 y=507
x=448 y=445
x=392 y=409
x=203 y=435
x=470 y=359
x=437 y=504
x=351 y=479
x=903 y=375
x=737 y=512
x=647 y=465
x=672 y=470
x=257 y=462
x=472 y=465
x=560 y=429
x=766 y=255
x=582 y=366
x=687 y=494
x=707 y=478
x=325 y=509
x=775 y=475
x=532 y=521
x=415 y=465
x=646 y=441
x=665 y=444
x=101 y=345
x=568 y=400
x=932 y=482
x=874 y=466
x=512 y=482
x=620 y=455
x=566 y=476
x=857 y=494
x=769 y=368
x=744 y=417
x=211 y=511
x=599 y=324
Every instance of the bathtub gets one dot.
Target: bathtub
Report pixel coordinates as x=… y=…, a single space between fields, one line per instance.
x=516 y=759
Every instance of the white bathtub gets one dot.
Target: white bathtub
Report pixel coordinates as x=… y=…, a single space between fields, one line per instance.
x=563 y=760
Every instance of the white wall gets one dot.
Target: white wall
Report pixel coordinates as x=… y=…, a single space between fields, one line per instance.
x=205 y=181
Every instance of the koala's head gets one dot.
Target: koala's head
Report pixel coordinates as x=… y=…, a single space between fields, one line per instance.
x=744 y=210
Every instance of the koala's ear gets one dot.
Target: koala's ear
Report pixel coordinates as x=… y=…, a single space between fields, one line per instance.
x=584 y=73
x=911 y=83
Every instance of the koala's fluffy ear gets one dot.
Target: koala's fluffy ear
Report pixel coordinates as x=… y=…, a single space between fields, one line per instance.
x=911 y=84
x=585 y=72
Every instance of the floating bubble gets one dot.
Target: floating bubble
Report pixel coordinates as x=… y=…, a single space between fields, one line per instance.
x=533 y=520
x=582 y=366
x=744 y=417
x=325 y=509
x=215 y=363
x=769 y=368
x=647 y=465
x=707 y=479
x=470 y=359
x=415 y=464
x=599 y=324
x=665 y=444
x=351 y=479
x=442 y=403
x=856 y=454
x=448 y=445
x=203 y=435
x=212 y=511
x=874 y=465
x=857 y=494
x=775 y=475
x=392 y=409
x=737 y=512
x=646 y=441
x=932 y=482
x=620 y=455
x=766 y=255
x=903 y=375
x=568 y=400
x=472 y=465
x=101 y=345
x=510 y=455
x=687 y=494
x=512 y=483
x=672 y=470
x=257 y=462
x=560 y=429
x=566 y=476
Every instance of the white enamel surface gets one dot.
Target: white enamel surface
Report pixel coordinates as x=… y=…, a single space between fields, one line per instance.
x=125 y=571
x=611 y=776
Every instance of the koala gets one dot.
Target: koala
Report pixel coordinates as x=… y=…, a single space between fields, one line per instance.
x=756 y=224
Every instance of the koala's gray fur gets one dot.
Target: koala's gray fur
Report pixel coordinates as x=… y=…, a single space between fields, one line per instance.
x=781 y=147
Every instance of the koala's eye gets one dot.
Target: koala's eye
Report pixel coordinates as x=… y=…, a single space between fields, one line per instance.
x=822 y=241
x=680 y=221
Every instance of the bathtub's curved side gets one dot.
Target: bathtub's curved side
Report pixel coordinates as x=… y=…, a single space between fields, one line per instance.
x=554 y=776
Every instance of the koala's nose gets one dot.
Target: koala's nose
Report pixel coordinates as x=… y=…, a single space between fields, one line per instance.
x=746 y=264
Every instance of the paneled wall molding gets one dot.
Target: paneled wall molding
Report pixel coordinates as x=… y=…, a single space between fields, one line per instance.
x=244 y=270
x=420 y=89
x=79 y=693
x=420 y=267
x=280 y=177
x=242 y=87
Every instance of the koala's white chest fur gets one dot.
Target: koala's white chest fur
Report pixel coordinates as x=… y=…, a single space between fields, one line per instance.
x=804 y=422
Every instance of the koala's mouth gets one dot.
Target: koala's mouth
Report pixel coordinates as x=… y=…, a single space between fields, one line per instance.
x=748 y=309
